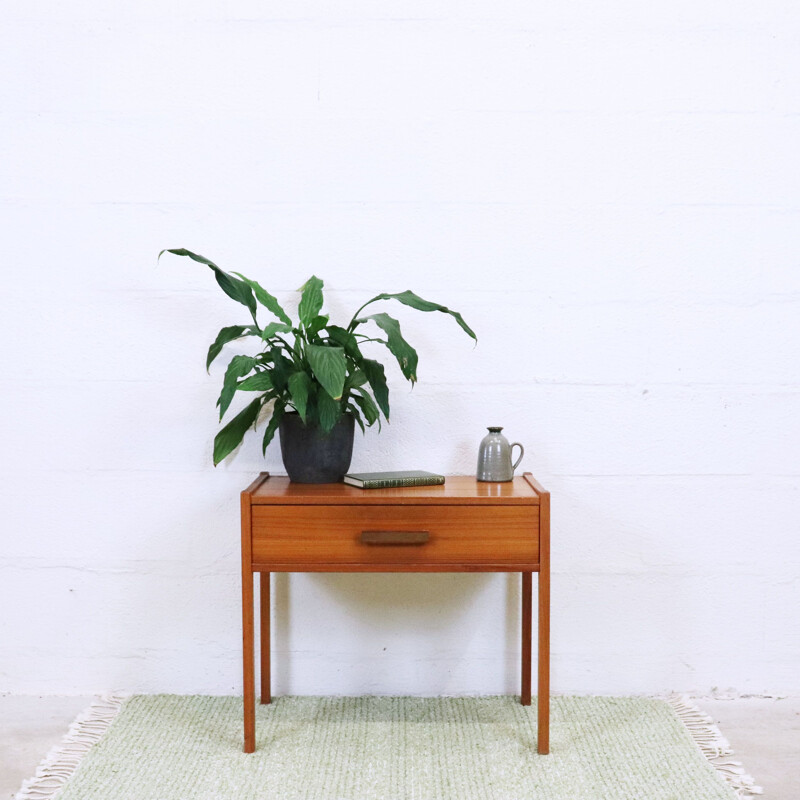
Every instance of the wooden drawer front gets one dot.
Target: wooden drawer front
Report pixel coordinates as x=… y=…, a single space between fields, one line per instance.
x=307 y=535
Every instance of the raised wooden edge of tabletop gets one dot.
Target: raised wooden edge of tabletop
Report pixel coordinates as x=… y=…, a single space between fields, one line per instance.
x=457 y=490
x=534 y=484
x=263 y=476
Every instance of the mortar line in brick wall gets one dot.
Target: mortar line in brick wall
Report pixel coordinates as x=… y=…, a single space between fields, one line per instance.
x=180 y=472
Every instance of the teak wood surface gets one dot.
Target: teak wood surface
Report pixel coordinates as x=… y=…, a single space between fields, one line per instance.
x=462 y=526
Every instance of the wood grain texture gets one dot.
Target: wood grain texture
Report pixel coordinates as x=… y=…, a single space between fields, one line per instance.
x=332 y=535
x=457 y=490
x=463 y=526
x=266 y=691
x=534 y=484
x=395 y=566
x=248 y=633
x=527 y=622
x=543 y=739
x=262 y=476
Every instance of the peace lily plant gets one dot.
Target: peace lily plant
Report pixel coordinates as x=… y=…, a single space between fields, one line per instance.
x=310 y=366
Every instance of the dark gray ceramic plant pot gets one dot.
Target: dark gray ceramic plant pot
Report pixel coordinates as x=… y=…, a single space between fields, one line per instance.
x=311 y=456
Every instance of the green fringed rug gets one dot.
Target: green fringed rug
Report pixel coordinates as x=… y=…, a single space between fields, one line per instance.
x=172 y=747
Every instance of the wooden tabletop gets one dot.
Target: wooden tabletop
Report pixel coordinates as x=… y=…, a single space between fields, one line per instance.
x=457 y=490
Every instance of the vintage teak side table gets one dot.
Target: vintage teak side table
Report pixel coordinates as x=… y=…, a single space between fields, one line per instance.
x=463 y=526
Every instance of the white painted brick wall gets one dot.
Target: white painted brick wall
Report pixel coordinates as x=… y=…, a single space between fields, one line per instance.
x=607 y=191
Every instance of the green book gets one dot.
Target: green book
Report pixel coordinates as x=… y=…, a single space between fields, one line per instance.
x=388 y=480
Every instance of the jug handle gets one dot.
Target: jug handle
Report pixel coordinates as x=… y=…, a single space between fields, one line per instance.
x=521 y=453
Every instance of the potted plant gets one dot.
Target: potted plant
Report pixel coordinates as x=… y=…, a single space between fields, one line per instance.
x=314 y=373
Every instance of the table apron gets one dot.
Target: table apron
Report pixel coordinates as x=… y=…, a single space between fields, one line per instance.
x=343 y=567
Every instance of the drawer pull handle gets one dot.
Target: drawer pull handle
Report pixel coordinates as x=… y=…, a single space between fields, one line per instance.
x=394 y=537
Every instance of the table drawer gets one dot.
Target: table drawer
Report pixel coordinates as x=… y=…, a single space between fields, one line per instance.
x=389 y=536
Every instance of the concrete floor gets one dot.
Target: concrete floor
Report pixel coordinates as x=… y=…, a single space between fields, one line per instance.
x=765 y=734
x=29 y=727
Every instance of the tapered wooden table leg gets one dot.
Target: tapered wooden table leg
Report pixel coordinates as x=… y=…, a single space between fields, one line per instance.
x=525 y=694
x=543 y=701
x=248 y=633
x=248 y=654
x=266 y=692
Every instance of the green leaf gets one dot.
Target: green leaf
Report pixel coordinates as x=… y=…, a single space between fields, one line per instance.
x=230 y=437
x=329 y=367
x=329 y=411
x=182 y=251
x=223 y=337
x=377 y=381
x=281 y=369
x=299 y=387
x=317 y=324
x=367 y=405
x=238 y=367
x=408 y=298
x=275 y=420
x=405 y=354
x=233 y=287
x=310 y=300
x=354 y=380
x=266 y=299
x=353 y=409
x=345 y=339
x=236 y=289
x=260 y=382
x=274 y=327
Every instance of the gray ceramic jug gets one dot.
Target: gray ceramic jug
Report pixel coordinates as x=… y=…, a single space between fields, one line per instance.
x=494 y=457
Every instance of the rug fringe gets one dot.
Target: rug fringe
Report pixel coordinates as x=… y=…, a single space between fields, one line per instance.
x=714 y=746
x=60 y=763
